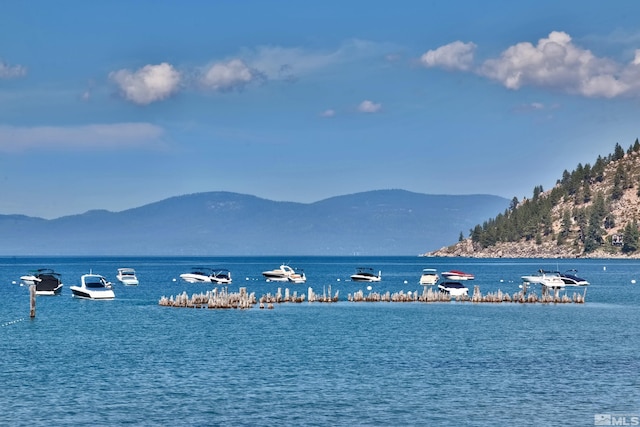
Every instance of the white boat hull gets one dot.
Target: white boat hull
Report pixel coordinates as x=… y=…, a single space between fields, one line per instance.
x=195 y=278
x=284 y=274
x=79 y=292
x=454 y=291
x=359 y=278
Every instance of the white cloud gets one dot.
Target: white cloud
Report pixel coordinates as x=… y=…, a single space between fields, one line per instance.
x=149 y=84
x=367 y=106
x=222 y=76
x=328 y=113
x=119 y=135
x=555 y=62
x=10 y=71
x=453 y=56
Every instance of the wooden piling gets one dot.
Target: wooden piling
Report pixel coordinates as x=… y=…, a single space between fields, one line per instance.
x=32 y=300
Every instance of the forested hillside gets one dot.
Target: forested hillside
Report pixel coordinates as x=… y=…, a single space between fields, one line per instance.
x=592 y=211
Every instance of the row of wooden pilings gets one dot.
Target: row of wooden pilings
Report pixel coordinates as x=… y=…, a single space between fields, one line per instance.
x=222 y=299
x=524 y=297
x=214 y=299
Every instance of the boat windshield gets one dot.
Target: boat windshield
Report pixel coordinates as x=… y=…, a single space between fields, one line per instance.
x=94 y=282
x=454 y=285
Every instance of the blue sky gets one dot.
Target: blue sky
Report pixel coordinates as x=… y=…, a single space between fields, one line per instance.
x=113 y=105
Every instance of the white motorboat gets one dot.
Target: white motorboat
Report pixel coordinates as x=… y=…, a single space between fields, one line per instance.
x=207 y=275
x=366 y=274
x=280 y=274
x=457 y=275
x=127 y=276
x=549 y=279
x=47 y=281
x=429 y=276
x=571 y=278
x=454 y=289
x=93 y=286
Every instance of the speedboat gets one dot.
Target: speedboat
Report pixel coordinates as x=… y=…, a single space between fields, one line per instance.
x=207 y=275
x=429 y=276
x=366 y=274
x=282 y=274
x=570 y=278
x=93 y=286
x=127 y=276
x=47 y=281
x=457 y=275
x=455 y=289
x=549 y=279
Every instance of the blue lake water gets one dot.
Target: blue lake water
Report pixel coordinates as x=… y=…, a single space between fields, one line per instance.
x=131 y=361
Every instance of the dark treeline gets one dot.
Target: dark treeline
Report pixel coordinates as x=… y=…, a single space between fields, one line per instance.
x=584 y=218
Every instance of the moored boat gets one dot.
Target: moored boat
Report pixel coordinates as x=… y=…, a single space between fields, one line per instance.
x=549 y=279
x=429 y=276
x=282 y=274
x=452 y=288
x=366 y=274
x=457 y=275
x=93 y=286
x=46 y=280
x=127 y=276
x=207 y=275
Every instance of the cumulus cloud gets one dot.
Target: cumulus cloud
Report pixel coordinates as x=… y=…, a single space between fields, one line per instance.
x=453 y=56
x=328 y=113
x=149 y=84
x=119 y=135
x=223 y=76
x=555 y=62
x=367 y=106
x=11 y=71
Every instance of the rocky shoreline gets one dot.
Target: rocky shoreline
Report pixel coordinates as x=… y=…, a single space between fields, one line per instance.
x=467 y=249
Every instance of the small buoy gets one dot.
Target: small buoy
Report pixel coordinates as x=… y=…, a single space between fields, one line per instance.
x=633 y=281
x=246 y=278
x=369 y=287
x=604 y=268
x=13 y=283
x=174 y=279
x=405 y=282
x=501 y=280
x=520 y=286
x=338 y=279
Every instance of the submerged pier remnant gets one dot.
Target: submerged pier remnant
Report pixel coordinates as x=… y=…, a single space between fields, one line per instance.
x=214 y=299
x=222 y=299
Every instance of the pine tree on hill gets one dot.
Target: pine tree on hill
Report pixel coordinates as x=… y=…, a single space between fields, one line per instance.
x=582 y=212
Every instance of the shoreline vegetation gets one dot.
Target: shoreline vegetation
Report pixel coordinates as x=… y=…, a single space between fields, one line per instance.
x=592 y=212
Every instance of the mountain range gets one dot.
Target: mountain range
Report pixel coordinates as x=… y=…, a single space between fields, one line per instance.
x=381 y=222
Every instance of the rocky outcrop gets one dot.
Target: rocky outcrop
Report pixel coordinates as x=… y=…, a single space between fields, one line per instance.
x=624 y=209
x=523 y=250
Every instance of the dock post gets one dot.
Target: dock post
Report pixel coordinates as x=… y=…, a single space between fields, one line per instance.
x=32 y=298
